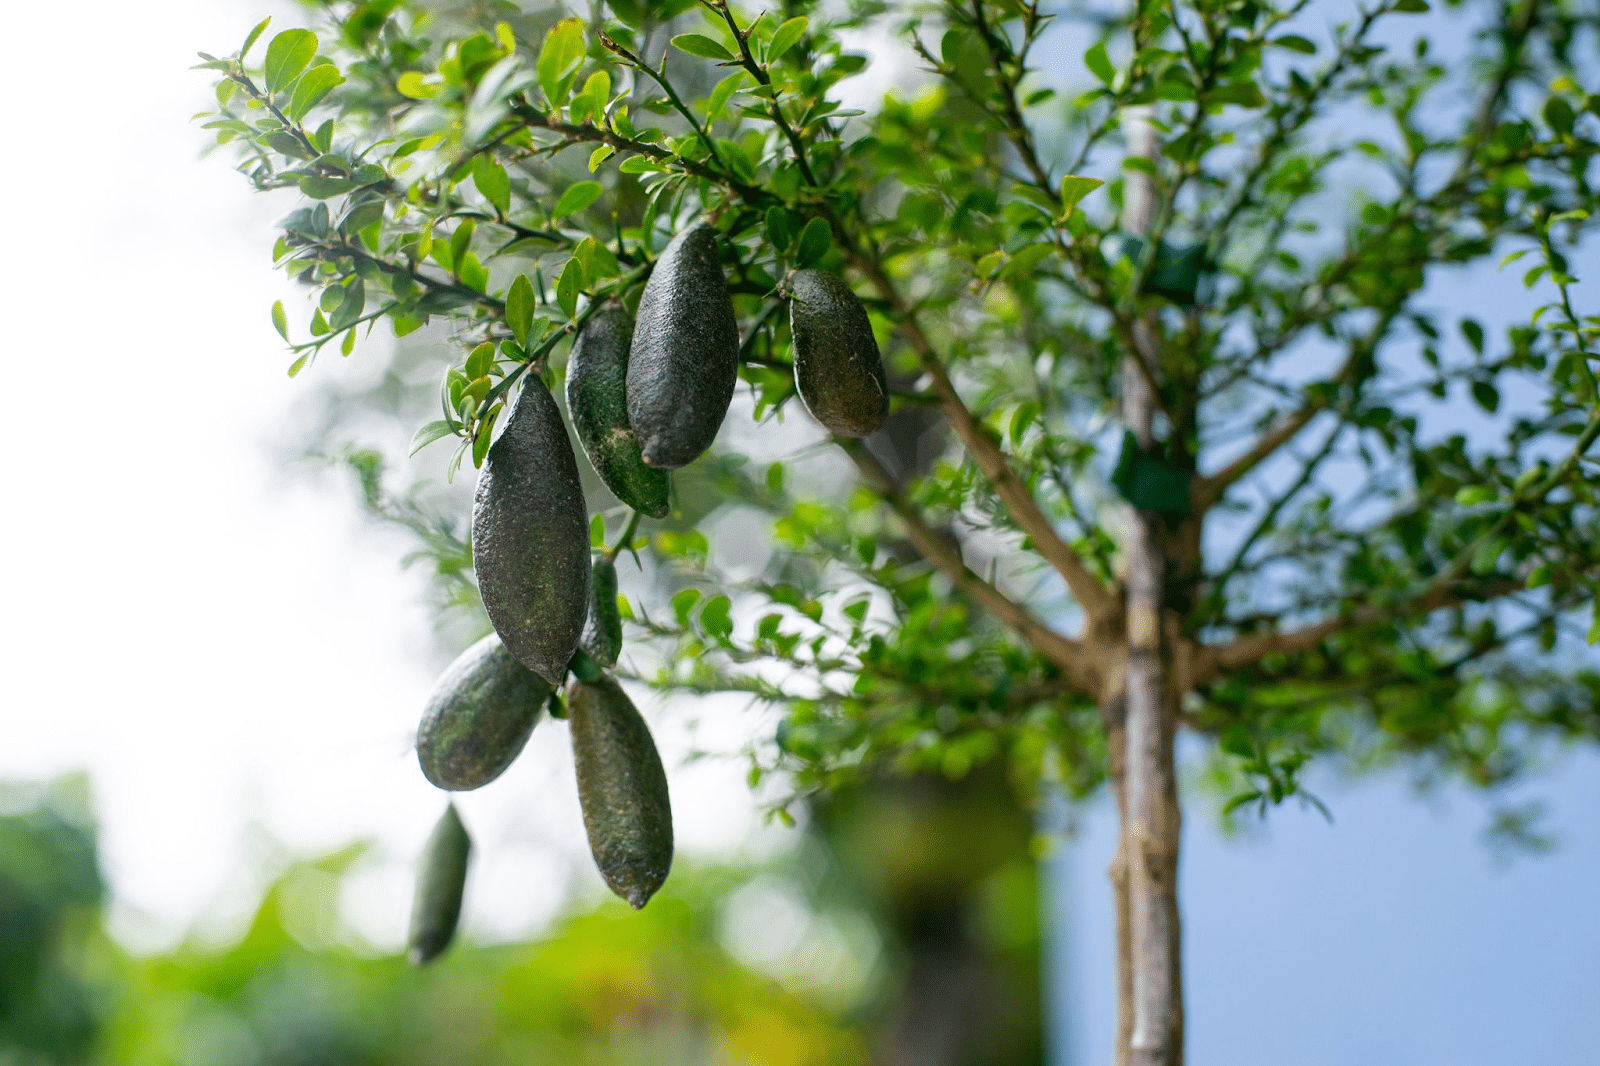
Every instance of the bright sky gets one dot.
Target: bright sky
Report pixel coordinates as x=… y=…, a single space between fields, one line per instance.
x=238 y=662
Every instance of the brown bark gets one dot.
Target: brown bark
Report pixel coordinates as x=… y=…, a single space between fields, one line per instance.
x=1113 y=712
x=1150 y=822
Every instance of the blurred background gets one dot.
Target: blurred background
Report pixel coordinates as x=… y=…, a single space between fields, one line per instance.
x=212 y=662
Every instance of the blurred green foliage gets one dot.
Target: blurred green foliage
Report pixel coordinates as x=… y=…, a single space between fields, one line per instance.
x=877 y=936
x=602 y=985
x=50 y=891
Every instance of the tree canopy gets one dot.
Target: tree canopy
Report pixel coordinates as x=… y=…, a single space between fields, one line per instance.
x=1180 y=434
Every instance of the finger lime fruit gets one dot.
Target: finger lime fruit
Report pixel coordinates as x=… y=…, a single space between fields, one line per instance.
x=530 y=537
x=837 y=366
x=684 y=359
x=597 y=400
x=602 y=634
x=478 y=716
x=622 y=789
x=441 y=881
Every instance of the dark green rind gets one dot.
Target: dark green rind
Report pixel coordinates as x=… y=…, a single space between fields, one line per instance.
x=602 y=634
x=622 y=789
x=478 y=717
x=597 y=400
x=837 y=367
x=530 y=537
x=684 y=360
x=441 y=881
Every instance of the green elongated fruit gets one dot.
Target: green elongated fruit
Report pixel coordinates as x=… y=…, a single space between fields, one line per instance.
x=441 y=880
x=622 y=789
x=530 y=537
x=597 y=400
x=478 y=716
x=602 y=634
x=837 y=367
x=684 y=359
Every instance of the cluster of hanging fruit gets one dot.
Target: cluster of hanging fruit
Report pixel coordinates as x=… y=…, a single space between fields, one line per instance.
x=644 y=398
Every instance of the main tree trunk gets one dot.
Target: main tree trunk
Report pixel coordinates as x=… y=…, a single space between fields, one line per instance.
x=1144 y=874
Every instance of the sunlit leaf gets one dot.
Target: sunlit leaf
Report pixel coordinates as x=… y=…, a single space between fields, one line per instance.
x=289 y=53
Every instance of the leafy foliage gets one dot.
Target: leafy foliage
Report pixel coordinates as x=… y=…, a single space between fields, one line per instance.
x=1354 y=564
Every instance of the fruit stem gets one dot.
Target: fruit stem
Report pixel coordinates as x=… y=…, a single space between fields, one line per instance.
x=624 y=542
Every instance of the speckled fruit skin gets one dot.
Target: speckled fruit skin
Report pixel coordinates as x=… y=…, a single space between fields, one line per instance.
x=837 y=366
x=684 y=360
x=602 y=634
x=597 y=400
x=441 y=881
x=622 y=789
x=530 y=537
x=478 y=717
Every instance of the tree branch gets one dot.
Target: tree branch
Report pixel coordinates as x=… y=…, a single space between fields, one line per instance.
x=1444 y=590
x=1213 y=660
x=1091 y=595
x=1206 y=491
x=1068 y=654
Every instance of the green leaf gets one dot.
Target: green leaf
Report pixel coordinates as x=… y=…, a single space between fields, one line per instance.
x=1487 y=396
x=1413 y=7
x=485 y=435
x=255 y=35
x=597 y=90
x=786 y=37
x=1558 y=115
x=1074 y=189
x=411 y=84
x=683 y=603
x=1240 y=93
x=1487 y=555
x=289 y=53
x=480 y=361
x=428 y=434
x=300 y=364
x=815 y=240
x=559 y=59
x=493 y=182
x=697 y=45
x=567 y=287
x=455 y=461
x=316 y=83
x=583 y=252
x=474 y=275
x=1295 y=44
x=350 y=307
x=778 y=231
x=1473 y=495
x=576 y=198
x=280 y=321
x=715 y=619
x=725 y=89
x=460 y=240
x=1239 y=801
x=1474 y=334
x=519 y=308
x=1099 y=63
x=320 y=188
